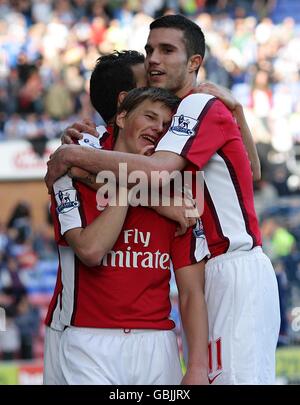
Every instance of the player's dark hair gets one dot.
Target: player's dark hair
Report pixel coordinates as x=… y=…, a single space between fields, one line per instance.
x=193 y=36
x=111 y=75
x=136 y=96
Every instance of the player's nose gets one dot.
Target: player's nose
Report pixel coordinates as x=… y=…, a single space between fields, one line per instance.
x=159 y=128
x=154 y=58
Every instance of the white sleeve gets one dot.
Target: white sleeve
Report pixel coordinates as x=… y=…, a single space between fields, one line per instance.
x=184 y=123
x=66 y=195
x=90 y=140
x=67 y=204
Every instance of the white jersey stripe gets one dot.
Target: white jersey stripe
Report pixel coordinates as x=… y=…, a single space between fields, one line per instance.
x=238 y=191
x=67 y=263
x=180 y=133
x=228 y=209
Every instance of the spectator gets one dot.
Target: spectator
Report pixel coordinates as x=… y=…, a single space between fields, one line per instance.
x=27 y=320
x=282 y=289
x=20 y=220
x=279 y=242
x=58 y=101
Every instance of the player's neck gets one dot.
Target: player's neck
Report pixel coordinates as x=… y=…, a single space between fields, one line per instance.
x=187 y=87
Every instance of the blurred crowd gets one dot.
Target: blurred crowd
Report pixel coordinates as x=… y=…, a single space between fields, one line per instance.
x=27 y=258
x=48 y=48
x=47 y=51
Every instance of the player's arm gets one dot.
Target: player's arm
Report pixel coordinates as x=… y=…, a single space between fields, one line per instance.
x=169 y=152
x=248 y=141
x=93 y=161
x=89 y=179
x=181 y=208
x=92 y=242
x=89 y=165
x=237 y=109
x=84 y=134
x=188 y=253
x=192 y=305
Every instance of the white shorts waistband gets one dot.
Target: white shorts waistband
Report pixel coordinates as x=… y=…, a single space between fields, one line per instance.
x=116 y=331
x=234 y=255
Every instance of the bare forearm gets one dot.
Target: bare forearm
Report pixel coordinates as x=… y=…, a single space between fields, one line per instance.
x=89 y=179
x=98 y=238
x=95 y=161
x=194 y=319
x=248 y=141
x=105 y=230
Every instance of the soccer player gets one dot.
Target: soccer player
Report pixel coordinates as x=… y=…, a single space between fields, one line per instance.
x=241 y=288
x=117 y=311
x=113 y=76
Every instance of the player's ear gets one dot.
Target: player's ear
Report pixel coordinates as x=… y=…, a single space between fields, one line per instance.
x=121 y=96
x=194 y=63
x=120 y=119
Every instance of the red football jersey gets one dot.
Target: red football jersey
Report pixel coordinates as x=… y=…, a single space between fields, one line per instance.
x=204 y=132
x=130 y=289
x=105 y=141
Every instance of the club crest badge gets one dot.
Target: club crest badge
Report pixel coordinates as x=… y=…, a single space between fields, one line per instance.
x=183 y=125
x=66 y=201
x=198 y=230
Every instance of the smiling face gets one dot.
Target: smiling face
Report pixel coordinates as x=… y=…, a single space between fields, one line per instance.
x=141 y=128
x=167 y=63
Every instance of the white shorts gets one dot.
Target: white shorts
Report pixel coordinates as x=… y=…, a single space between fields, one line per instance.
x=52 y=372
x=243 y=313
x=113 y=357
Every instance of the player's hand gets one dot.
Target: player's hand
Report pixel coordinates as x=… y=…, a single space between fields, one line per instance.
x=195 y=377
x=73 y=133
x=187 y=217
x=220 y=92
x=183 y=225
x=182 y=211
x=57 y=164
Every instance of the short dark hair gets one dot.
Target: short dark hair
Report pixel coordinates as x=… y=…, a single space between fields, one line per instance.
x=193 y=36
x=136 y=96
x=111 y=75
